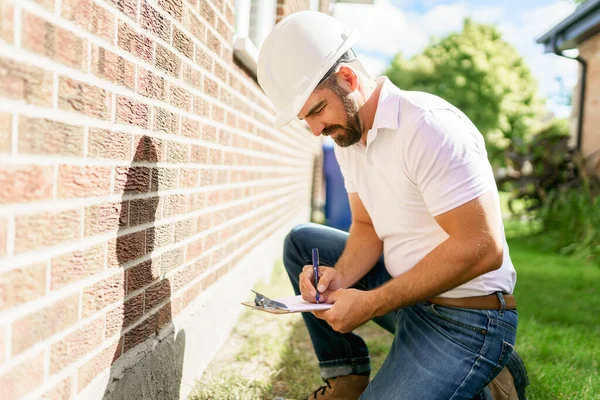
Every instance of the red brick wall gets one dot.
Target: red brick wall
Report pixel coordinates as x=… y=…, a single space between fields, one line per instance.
x=138 y=164
x=590 y=144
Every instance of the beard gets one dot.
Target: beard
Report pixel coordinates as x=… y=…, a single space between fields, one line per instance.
x=351 y=132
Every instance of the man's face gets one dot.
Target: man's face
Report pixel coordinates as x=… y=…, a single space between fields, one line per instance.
x=332 y=112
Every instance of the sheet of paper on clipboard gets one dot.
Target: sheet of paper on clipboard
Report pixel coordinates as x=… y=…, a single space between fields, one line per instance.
x=284 y=305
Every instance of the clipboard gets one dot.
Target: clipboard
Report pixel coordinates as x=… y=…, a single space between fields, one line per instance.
x=287 y=305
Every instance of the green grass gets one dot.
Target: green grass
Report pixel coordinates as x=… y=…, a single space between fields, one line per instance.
x=558 y=336
x=271 y=355
x=559 y=321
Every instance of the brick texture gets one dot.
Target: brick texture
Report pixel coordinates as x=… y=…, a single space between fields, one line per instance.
x=590 y=141
x=138 y=165
x=72 y=267
x=98 y=364
x=25 y=183
x=43 y=323
x=23 y=378
x=76 y=345
x=112 y=67
x=46 y=229
x=91 y=17
x=43 y=136
x=19 y=81
x=88 y=181
x=44 y=38
x=124 y=315
x=60 y=391
x=22 y=285
x=102 y=294
x=5 y=132
x=103 y=143
x=6 y=21
x=79 y=97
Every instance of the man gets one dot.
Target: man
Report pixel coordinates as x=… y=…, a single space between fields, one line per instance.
x=426 y=256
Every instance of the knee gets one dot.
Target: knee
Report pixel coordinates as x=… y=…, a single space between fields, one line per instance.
x=299 y=234
x=297 y=239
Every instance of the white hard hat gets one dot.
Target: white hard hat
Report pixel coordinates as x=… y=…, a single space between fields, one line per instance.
x=298 y=52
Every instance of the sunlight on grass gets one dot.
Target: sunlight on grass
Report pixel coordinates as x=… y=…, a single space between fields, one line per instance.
x=271 y=355
x=558 y=337
x=559 y=322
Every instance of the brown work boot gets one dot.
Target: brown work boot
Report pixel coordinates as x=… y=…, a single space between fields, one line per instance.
x=347 y=387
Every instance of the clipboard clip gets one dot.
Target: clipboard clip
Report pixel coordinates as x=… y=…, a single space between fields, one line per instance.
x=262 y=301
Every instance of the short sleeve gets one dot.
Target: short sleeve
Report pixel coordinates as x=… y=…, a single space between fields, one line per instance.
x=341 y=156
x=446 y=159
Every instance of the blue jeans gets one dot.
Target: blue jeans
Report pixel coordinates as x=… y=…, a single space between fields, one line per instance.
x=437 y=353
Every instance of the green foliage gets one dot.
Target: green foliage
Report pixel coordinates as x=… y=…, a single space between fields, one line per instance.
x=481 y=74
x=558 y=335
x=537 y=166
x=549 y=183
x=571 y=221
x=269 y=355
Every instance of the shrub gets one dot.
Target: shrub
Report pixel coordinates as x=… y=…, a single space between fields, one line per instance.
x=571 y=220
x=548 y=179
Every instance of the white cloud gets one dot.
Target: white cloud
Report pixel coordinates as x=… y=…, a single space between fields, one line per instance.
x=383 y=28
x=386 y=29
x=374 y=65
x=522 y=33
x=442 y=19
x=491 y=15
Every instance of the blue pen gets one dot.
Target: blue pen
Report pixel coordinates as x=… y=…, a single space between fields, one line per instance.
x=315 y=260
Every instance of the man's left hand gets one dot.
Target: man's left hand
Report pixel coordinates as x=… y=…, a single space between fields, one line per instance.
x=351 y=308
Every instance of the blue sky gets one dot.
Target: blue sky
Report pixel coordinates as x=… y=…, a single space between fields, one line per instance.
x=390 y=26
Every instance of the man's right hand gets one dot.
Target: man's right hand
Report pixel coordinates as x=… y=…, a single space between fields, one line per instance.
x=329 y=280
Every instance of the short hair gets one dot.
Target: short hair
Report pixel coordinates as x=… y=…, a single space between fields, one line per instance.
x=344 y=58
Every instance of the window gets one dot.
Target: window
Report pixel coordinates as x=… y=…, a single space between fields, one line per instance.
x=254 y=20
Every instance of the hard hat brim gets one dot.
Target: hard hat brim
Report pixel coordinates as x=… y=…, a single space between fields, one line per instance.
x=284 y=117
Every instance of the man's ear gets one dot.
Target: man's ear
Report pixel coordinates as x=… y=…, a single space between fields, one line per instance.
x=347 y=78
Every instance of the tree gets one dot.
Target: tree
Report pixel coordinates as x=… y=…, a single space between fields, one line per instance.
x=481 y=74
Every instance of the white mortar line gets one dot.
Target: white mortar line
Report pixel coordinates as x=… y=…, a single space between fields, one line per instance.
x=45 y=159
x=135 y=353
x=68 y=204
x=115 y=271
x=44 y=62
x=49 y=252
x=17 y=25
x=43 y=13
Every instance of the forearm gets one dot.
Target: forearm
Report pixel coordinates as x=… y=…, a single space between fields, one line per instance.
x=449 y=265
x=363 y=249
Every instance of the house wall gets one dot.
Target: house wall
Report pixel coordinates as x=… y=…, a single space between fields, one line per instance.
x=143 y=191
x=590 y=51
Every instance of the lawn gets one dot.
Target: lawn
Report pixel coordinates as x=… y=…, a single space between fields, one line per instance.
x=558 y=336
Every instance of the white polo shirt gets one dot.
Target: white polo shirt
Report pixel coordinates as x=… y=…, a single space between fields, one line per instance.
x=423 y=157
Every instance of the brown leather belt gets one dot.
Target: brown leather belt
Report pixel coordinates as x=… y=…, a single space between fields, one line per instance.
x=489 y=302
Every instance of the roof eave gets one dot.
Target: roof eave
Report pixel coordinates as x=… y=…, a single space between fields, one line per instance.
x=583 y=23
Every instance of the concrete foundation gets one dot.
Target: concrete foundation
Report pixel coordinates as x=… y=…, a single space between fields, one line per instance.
x=167 y=366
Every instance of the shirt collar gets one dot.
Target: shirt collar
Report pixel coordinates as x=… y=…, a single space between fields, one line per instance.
x=386 y=114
